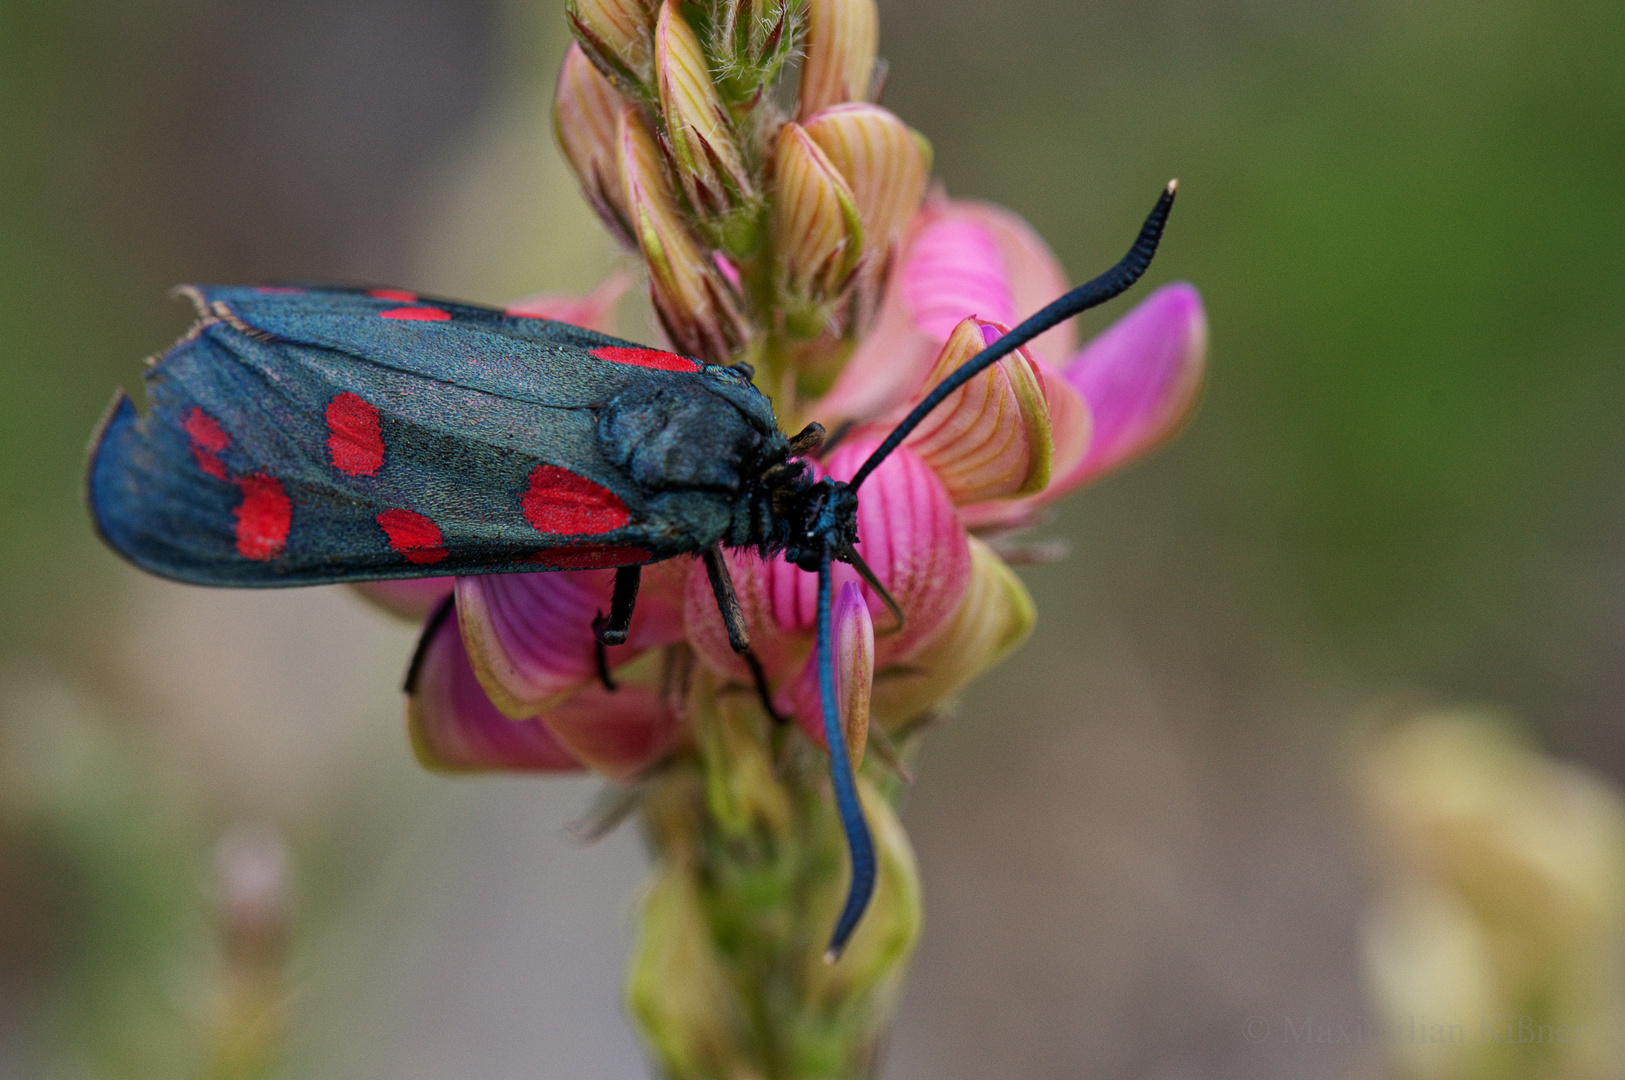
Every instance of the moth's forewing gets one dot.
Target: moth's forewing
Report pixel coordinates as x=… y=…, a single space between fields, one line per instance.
x=299 y=437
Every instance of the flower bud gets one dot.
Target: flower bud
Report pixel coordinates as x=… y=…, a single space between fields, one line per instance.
x=617 y=36
x=586 y=109
x=698 y=130
x=1503 y=910
x=691 y=298
x=996 y=615
x=991 y=438
x=676 y=988
x=816 y=227
x=853 y=630
x=886 y=163
x=843 y=37
x=741 y=789
x=875 y=958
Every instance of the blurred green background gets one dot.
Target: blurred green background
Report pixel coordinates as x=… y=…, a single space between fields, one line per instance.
x=1408 y=222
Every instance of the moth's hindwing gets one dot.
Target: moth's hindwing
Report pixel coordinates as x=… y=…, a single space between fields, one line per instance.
x=303 y=436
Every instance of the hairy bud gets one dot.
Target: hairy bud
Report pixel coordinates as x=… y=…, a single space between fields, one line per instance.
x=586 y=111
x=817 y=230
x=617 y=35
x=843 y=37
x=698 y=130
x=690 y=297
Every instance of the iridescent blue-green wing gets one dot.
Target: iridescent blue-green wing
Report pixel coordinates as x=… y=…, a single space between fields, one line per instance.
x=303 y=437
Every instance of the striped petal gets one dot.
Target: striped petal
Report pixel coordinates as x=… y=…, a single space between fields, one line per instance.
x=886 y=162
x=843 y=37
x=530 y=635
x=991 y=438
x=817 y=232
x=586 y=111
x=455 y=728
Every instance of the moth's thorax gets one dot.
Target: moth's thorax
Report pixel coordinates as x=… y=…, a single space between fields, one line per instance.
x=714 y=433
x=669 y=436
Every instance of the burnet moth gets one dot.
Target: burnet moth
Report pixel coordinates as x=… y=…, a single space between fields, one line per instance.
x=312 y=436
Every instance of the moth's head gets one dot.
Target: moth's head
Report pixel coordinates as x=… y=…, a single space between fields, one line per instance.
x=822 y=515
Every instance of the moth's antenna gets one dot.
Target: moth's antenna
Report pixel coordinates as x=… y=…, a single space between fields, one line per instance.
x=859 y=845
x=1085 y=296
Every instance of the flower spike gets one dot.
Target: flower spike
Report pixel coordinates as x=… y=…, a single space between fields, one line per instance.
x=859 y=844
x=1090 y=294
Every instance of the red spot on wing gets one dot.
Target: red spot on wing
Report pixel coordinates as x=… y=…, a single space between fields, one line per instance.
x=355 y=442
x=649 y=358
x=207 y=441
x=413 y=535
x=416 y=314
x=558 y=501
x=400 y=296
x=590 y=557
x=263 y=517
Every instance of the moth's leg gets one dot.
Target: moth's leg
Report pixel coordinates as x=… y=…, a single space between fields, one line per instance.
x=807 y=440
x=612 y=631
x=430 y=627
x=762 y=691
x=722 y=587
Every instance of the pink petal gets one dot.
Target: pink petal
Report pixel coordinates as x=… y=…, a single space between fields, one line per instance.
x=954 y=269
x=530 y=635
x=455 y=728
x=1034 y=274
x=618 y=733
x=961 y=259
x=410 y=598
x=889 y=362
x=1141 y=379
x=909 y=535
x=595 y=311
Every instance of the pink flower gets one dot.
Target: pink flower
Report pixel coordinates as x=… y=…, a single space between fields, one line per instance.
x=520 y=686
x=525 y=659
x=911 y=538
x=1120 y=396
